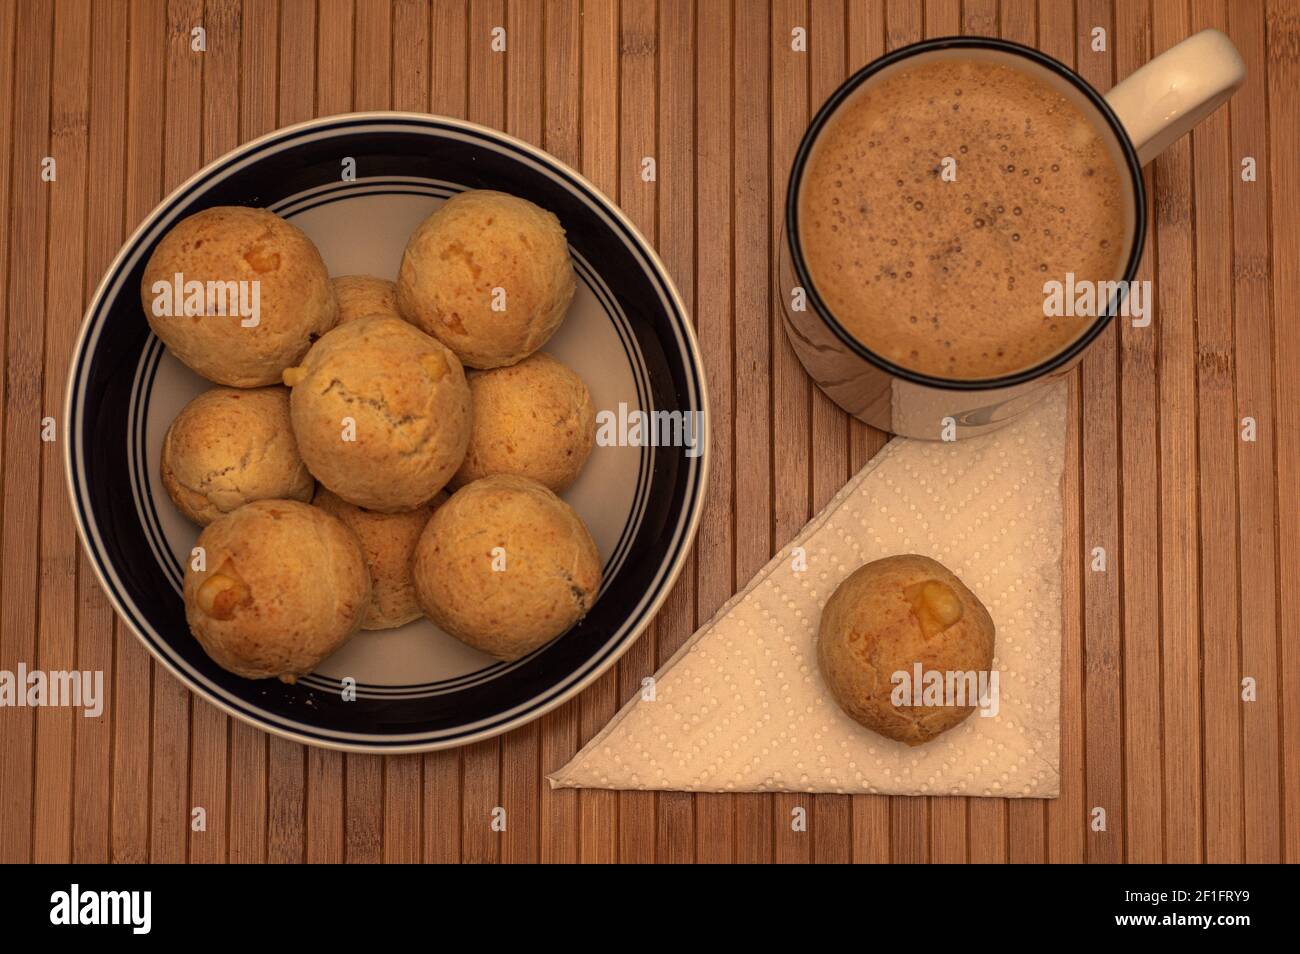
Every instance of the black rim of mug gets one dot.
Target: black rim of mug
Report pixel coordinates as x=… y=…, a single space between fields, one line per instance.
x=1061 y=358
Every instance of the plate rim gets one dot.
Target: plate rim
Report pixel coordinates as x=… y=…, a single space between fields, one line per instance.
x=677 y=564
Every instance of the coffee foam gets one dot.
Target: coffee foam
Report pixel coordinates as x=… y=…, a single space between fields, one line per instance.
x=946 y=277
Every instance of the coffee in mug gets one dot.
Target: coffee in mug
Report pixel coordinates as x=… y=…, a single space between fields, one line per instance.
x=940 y=198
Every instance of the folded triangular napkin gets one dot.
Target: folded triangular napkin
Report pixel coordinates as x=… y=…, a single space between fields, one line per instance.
x=742 y=706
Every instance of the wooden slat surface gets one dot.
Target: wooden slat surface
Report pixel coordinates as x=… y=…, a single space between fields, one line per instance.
x=1200 y=528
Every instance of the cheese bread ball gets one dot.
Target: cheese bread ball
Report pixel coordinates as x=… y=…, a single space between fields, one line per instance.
x=506 y=566
x=488 y=275
x=263 y=261
x=533 y=419
x=229 y=447
x=381 y=412
x=388 y=544
x=886 y=617
x=363 y=295
x=284 y=585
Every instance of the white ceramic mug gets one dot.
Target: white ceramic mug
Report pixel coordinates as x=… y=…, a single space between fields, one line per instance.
x=1140 y=117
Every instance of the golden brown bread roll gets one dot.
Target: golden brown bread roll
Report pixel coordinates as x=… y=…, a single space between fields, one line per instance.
x=361 y=296
x=381 y=412
x=231 y=446
x=533 y=419
x=232 y=244
x=506 y=566
x=887 y=617
x=488 y=275
x=388 y=543
x=284 y=584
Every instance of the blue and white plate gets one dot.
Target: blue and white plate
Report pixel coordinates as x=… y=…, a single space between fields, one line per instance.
x=627 y=334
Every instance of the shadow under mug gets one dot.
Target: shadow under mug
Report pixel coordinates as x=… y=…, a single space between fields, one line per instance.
x=1139 y=118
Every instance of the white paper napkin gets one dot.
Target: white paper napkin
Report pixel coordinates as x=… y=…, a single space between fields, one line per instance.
x=742 y=706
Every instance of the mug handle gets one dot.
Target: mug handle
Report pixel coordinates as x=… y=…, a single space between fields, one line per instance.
x=1163 y=100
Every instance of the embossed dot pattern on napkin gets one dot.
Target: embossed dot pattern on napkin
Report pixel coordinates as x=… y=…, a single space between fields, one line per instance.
x=742 y=706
